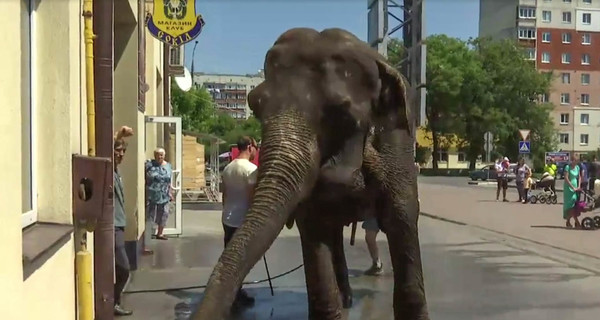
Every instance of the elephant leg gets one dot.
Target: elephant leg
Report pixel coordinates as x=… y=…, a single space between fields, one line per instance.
x=341 y=268
x=390 y=166
x=324 y=301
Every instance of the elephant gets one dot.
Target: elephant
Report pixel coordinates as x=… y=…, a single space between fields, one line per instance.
x=337 y=144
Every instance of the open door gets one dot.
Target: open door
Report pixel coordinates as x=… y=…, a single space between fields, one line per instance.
x=165 y=132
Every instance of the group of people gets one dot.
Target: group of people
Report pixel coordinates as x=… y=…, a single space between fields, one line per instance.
x=523 y=178
x=579 y=177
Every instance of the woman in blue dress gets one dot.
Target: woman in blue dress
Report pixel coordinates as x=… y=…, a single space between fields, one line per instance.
x=158 y=194
x=571 y=189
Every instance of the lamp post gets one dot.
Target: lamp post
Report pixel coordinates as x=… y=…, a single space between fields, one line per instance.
x=193 y=57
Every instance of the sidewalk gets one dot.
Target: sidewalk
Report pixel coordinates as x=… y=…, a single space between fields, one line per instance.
x=540 y=223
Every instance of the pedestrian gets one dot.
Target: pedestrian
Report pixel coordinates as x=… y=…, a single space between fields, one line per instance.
x=593 y=173
x=502 y=177
x=371 y=228
x=120 y=221
x=527 y=187
x=521 y=172
x=571 y=189
x=158 y=195
x=239 y=179
x=584 y=174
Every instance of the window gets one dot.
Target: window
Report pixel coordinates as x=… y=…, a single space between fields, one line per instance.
x=567 y=1
x=545 y=57
x=587 y=1
x=527 y=13
x=583 y=139
x=546 y=16
x=585 y=98
x=585 y=79
x=462 y=156
x=584 y=119
x=565 y=98
x=530 y=53
x=526 y=33
x=28 y=174
x=566 y=17
x=586 y=38
x=566 y=37
x=564 y=138
x=587 y=18
x=546 y=37
x=566 y=78
x=566 y=58
x=443 y=155
x=544 y=98
x=585 y=58
x=564 y=118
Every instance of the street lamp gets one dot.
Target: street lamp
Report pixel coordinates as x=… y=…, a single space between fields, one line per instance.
x=193 y=58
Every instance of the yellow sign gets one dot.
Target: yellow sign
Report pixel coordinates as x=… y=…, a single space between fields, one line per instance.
x=174 y=22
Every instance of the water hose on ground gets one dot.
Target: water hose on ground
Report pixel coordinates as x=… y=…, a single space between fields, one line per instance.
x=204 y=286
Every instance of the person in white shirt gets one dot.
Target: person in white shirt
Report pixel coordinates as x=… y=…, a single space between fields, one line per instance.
x=239 y=179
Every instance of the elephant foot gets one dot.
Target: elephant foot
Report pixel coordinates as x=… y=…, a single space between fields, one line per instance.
x=347 y=301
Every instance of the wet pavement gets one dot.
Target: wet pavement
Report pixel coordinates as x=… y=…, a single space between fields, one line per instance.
x=468 y=275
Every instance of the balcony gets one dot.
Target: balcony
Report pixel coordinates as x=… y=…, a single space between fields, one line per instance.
x=176 y=61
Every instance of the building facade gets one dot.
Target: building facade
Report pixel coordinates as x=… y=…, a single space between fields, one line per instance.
x=229 y=92
x=562 y=37
x=43 y=122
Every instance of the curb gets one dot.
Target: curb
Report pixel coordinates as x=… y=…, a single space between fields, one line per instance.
x=566 y=256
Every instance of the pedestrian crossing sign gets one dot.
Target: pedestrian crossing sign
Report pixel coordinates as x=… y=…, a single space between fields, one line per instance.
x=524 y=147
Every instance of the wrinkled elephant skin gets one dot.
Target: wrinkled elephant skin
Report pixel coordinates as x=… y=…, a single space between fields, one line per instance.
x=337 y=145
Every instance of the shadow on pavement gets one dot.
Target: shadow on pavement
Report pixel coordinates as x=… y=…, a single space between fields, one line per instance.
x=555 y=227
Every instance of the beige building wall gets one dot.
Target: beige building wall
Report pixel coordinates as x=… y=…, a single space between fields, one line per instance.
x=58 y=132
x=11 y=271
x=587 y=121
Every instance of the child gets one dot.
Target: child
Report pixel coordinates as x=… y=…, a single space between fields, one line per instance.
x=528 y=185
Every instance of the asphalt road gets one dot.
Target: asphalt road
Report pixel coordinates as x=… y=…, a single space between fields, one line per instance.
x=469 y=274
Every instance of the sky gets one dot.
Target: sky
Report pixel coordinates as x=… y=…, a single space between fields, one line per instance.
x=238 y=33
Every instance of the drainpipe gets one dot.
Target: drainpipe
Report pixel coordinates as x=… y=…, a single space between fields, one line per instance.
x=103 y=88
x=166 y=98
x=83 y=258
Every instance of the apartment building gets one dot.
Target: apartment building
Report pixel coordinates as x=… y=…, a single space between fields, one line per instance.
x=230 y=91
x=44 y=123
x=562 y=37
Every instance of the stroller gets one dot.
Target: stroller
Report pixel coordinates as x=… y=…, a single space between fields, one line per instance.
x=548 y=185
x=588 y=203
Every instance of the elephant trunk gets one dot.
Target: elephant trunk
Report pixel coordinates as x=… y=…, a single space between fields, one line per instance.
x=288 y=167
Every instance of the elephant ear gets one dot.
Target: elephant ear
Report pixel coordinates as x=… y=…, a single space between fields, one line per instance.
x=394 y=105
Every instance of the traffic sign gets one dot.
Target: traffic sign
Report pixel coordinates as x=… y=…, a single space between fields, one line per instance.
x=524 y=134
x=524 y=147
x=488 y=145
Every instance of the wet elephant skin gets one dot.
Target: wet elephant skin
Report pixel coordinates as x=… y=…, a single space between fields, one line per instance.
x=337 y=144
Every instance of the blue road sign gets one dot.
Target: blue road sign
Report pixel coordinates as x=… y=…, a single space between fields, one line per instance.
x=524 y=147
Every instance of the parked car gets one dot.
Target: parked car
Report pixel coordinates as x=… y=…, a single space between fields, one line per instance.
x=488 y=172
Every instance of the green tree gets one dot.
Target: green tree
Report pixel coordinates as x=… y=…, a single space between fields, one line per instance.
x=395 y=51
x=195 y=107
x=446 y=59
x=483 y=85
x=515 y=89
